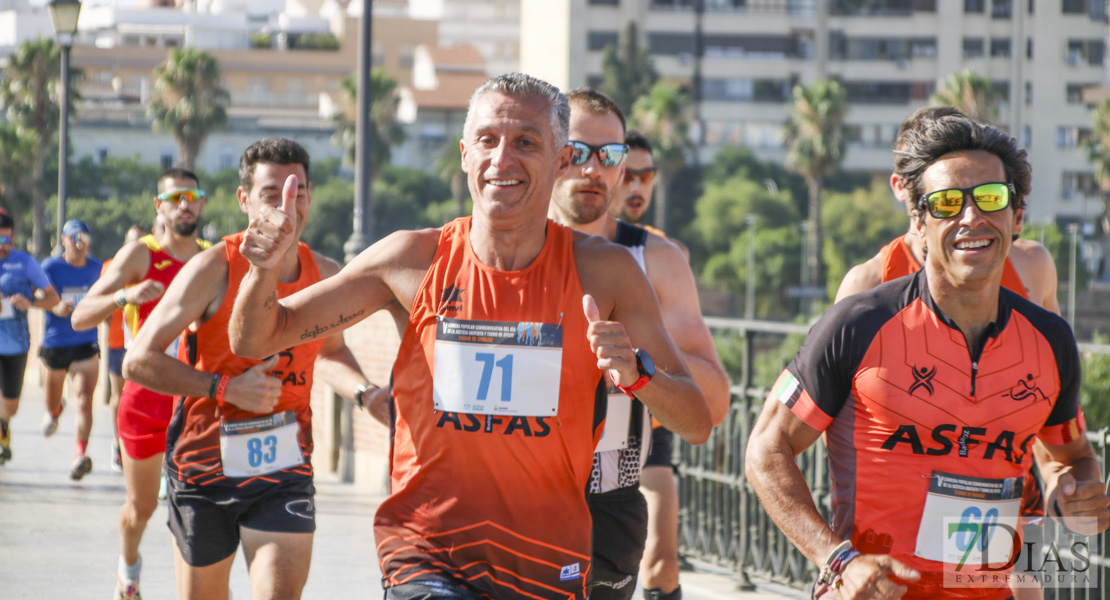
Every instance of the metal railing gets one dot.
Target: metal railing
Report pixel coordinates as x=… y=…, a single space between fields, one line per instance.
x=721 y=520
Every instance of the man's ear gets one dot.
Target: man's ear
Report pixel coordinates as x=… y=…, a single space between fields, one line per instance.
x=241 y=196
x=1019 y=220
x=562 y=161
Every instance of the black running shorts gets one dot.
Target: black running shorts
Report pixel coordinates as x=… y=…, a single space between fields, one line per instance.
x=205 y=520
x=619 y=535
x=60 y=358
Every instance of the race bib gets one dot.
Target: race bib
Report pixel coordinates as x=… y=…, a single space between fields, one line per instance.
x=7 y=311
x=259 y=446
x=497 y=368
x=969 y=521
x=73 y=295
x=617 y=418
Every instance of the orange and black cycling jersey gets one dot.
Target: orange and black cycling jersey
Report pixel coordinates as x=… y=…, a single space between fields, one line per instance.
x=901 y=397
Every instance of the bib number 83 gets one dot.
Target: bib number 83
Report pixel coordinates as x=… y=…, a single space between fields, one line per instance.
x=256 y=455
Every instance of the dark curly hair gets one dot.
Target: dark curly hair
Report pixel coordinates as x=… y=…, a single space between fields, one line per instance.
x=923 y=146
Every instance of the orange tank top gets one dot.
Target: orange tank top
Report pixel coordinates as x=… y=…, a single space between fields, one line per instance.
x=496 y=415
x=899 y=261
x=193 y=438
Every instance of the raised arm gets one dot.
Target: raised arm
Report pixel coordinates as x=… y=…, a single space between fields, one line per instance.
x=195 y=294
x=129 y=267
x=677 y=291
x=626 y=316
x=262 y=325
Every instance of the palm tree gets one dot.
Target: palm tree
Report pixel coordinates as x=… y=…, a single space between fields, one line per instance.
x=188 y=100
x=385 y=131
x=30 y=94
x=664 y=116
x=970 y=92
x=16 y=166
x=1098 y=153
x=815 y=139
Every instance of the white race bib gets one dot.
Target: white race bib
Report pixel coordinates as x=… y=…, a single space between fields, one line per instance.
x=497 y=368
x=259 y=446
x=617 y=417
x=73 y=295
x=969 y=521
x=7 y=311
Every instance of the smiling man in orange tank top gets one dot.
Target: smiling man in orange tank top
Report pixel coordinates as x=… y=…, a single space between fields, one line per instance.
x=240 y=440
x=498 y=397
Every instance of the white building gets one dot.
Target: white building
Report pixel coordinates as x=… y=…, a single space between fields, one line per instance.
x=889 y=54
x=491 y=26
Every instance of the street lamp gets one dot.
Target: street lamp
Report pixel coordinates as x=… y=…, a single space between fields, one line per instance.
x=63 y=16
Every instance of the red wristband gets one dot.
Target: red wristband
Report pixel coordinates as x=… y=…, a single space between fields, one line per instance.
x=221 y=388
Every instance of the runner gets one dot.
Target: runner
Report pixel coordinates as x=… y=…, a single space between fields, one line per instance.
x=115 y=343
x=226 y=485
x=1027 y=261
x=580 y=200
x=67 y=351
x=912 y=384
x=497 y=390
x=135 y=282
x=22 y=285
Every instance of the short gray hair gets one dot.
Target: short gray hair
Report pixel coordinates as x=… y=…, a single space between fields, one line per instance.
x=519 y=84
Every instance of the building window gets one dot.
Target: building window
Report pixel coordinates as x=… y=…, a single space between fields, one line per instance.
x=923 y=48
x=1071 y=137
x=606 y=2
x=749 y=46
x=726 y=5
x=1091 y=51
x=1031 y=2
x=166 y=160
x=1074 y=92
x=741 y=89
x=974 y=6
x=1001 y=9
x=1073 y=7
x=1029 y=92
x=1026 y=136
x=596 y=41
x=101 y=154
x=226 y=159
x=1029 y=48
x=671 y=43
x=1000 y=47
x=1078 y=183
x=672 y=4
x=973 y=47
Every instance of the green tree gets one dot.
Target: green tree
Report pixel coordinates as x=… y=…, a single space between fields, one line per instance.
x=850 y=239
x=16 y=165
x=815 y=137
x=1098 y=154
x=664 y=116
x=30 y=92
x=1096 y=383
x=627 y=72
x=384 y=129
x=970 y=92
x=188 y=100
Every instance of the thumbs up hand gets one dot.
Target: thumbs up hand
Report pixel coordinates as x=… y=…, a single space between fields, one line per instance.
x=273 y=230
x=611 y=344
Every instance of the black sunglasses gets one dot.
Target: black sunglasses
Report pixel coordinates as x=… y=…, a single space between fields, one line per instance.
x=610 y=155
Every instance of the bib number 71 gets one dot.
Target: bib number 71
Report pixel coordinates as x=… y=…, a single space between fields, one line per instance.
x=489 y=360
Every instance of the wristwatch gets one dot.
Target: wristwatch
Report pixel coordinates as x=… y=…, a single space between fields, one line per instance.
x=360 y=391
x=646 y=368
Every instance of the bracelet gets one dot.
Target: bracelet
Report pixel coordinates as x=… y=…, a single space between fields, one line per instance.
x=221 y=387
x=214 y=386
x=121 y=297
x=837 y=560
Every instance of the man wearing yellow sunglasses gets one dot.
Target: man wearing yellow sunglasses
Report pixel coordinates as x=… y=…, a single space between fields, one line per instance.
x=135 y=282
x=930 y=391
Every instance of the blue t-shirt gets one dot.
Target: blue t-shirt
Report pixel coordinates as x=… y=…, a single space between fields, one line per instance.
x=72 y=283
x=19 y=274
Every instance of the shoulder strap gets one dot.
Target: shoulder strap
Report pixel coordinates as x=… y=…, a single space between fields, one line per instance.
x=630 y=235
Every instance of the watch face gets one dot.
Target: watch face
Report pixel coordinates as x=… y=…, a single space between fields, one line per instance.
x=647 y=367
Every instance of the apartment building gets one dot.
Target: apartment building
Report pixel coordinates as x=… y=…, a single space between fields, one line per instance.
x=491 y=26
x=888 y=54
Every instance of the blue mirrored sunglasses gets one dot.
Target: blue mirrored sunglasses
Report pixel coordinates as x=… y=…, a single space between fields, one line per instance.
x=610 y=155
